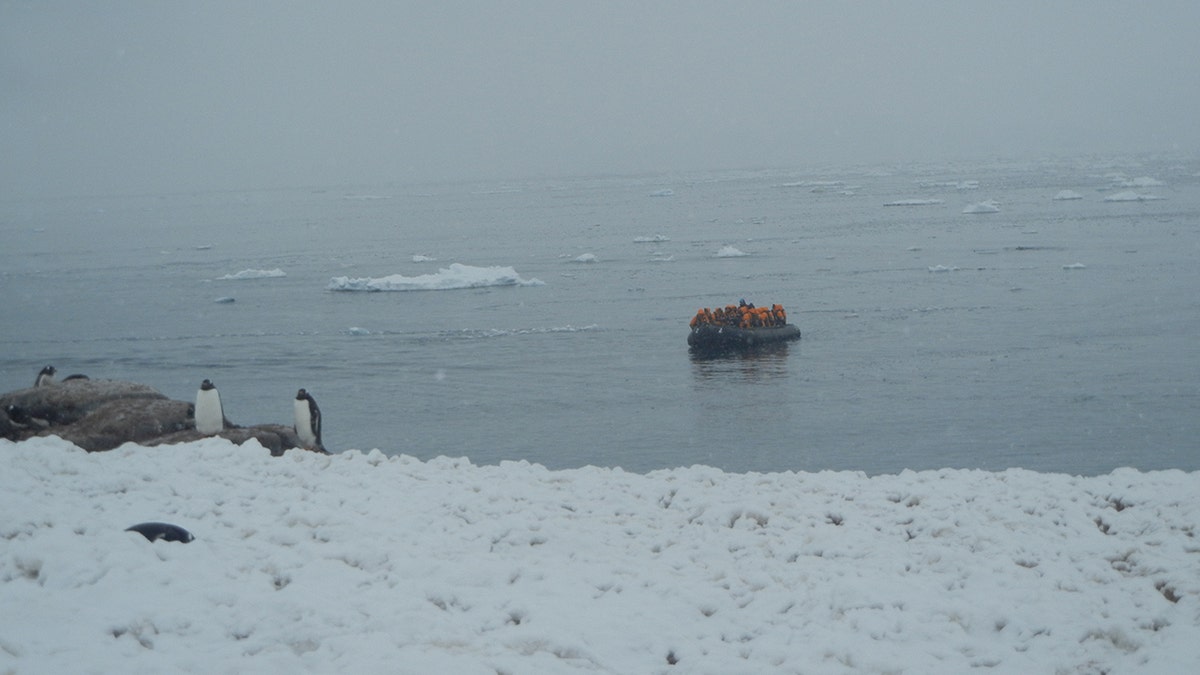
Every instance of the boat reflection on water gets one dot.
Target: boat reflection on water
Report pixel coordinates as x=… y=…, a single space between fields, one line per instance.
x=759 y=363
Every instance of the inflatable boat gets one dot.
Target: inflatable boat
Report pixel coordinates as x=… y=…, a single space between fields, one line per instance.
x=713 y=337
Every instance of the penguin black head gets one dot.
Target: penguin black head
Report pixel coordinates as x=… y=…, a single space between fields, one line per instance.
x=16 y=414
x=206 y=385
x=48 y=370
x=302 y=394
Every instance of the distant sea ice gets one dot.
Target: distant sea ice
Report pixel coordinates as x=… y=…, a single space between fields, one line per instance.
x=989 y=206
x=254 y=274
x=455 y=276
x=1130 y=196
x=914 y=202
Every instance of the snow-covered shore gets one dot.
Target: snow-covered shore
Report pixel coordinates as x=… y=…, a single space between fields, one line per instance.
x=362 y=563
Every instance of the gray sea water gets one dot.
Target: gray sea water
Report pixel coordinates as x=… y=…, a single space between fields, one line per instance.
x=1054 y=335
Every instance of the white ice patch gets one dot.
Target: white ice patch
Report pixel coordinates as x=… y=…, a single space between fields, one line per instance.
x=989 y=206
x=913 y=202
x=1130 y=196
x=730 y=252
x=254 y=274
x=455 y=276
x=1067 y=195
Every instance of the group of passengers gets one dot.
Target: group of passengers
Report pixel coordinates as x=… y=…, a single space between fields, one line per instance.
x=741 y=315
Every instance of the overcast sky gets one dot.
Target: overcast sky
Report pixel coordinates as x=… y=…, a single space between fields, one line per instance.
x=147 y=96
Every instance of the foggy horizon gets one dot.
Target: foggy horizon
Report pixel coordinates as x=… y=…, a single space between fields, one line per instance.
x=142 y=97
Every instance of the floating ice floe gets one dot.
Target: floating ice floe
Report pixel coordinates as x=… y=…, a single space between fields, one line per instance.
x=585 y=258
x=455 y=276
x=1130 y=196
x=253 y=274
x=1139 y=182
x=658 y=238
x=730 y=252
x=989 y=206
x=423 y=258
x=355 y=330
x=937 y=269
x=1066 y=195
x=1075 y=266
x=815 y=185
x=914 y=202
x=956 y=184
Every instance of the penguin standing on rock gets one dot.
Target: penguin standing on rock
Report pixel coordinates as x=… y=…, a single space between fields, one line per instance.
x=46 y=377
x=308 y=420
x=210 y=417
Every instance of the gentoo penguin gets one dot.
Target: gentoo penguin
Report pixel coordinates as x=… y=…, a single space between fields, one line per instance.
x=308 y=420
x=210 y=418
x=46 y=377
x=21 y=419
x=164 y=531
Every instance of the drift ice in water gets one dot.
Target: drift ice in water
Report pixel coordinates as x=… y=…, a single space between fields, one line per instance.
x=988 y=206
x=455 y=276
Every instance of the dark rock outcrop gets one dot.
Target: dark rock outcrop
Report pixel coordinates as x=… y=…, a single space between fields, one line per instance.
x=101 y=415
x=274 y=437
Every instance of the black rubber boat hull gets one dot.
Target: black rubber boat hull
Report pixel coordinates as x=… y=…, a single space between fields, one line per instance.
x=727 y=337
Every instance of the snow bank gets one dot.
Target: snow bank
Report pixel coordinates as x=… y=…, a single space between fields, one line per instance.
x=455 y=276
x=360 y=563
x=254 y=274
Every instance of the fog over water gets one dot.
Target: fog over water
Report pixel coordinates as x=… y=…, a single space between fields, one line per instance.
x=146 y=97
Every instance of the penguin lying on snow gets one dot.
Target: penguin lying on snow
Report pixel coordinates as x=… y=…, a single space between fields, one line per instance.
x=308 y=420
x=164 y=531
x=210 y=418
x=21 y=419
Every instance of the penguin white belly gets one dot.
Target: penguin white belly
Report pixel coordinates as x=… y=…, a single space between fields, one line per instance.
x=304 y=426
x=210 y=418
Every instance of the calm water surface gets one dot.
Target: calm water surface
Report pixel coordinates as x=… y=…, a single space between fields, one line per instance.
x=1053 y=335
